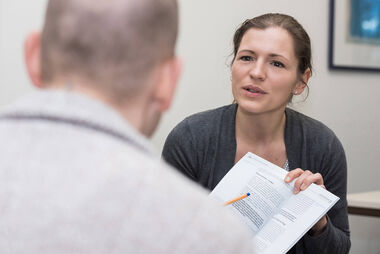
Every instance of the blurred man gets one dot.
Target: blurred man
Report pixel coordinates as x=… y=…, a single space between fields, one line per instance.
x=77 y=174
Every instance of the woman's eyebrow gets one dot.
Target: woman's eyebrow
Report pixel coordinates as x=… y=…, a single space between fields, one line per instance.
x=247 y=51
x=278 y=55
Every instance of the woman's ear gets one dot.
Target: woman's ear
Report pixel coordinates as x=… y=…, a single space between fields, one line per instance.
x=32 y=55
x=306 y=75
x=302 y=83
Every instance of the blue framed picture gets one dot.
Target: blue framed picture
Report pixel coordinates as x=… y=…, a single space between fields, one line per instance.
x=354 y=35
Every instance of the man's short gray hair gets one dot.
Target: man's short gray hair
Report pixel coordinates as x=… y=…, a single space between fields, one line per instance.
x=112 y=44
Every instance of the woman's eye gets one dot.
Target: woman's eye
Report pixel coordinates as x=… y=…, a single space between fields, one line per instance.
x=278 y=64
x=246 y=58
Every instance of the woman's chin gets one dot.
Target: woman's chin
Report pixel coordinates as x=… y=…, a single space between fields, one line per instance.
x=250 y=108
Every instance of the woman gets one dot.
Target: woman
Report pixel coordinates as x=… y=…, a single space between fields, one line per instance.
x=271 y=64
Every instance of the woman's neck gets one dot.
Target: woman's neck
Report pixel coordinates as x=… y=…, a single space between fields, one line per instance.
x=260 y=128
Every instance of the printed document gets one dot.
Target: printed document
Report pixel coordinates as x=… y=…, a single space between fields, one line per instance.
x=276 y=216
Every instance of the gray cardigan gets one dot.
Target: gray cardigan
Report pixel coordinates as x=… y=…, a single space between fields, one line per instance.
x=203 y=147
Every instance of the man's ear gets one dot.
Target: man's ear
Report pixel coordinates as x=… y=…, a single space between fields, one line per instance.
x=168 y=76
x=32 y=54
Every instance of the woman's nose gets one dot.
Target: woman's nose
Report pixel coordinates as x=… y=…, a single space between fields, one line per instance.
x=258 y=71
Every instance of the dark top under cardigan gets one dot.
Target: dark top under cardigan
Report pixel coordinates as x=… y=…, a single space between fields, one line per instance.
x=203 y=147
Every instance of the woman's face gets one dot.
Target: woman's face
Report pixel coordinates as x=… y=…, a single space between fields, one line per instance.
x=264 y=72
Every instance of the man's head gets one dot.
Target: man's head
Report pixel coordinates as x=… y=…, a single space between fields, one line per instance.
x=121 y=49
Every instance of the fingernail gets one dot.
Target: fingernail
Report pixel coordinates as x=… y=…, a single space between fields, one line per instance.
x=287 y=179
x=303 y=186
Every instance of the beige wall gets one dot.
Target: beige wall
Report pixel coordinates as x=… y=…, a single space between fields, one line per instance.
x=345 y=101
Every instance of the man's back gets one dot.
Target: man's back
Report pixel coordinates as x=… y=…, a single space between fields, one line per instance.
x=76 y=178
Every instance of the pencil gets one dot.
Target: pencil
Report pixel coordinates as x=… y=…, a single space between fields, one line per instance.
x=237 y=198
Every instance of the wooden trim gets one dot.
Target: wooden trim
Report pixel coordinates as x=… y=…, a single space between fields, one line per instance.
x=364 y=211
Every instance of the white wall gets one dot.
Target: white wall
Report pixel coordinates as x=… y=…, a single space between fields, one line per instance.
x=17 y=17
x=346 y=101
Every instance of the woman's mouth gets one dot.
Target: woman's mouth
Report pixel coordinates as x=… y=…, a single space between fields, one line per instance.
x=254 y=90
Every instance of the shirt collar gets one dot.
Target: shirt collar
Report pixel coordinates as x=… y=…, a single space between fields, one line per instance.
x=73 y=105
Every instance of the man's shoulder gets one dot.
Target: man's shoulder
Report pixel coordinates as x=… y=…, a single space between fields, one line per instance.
x=117 y=187
x=166 y=200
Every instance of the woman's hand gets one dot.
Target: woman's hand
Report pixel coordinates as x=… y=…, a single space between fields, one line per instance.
x=305 y=178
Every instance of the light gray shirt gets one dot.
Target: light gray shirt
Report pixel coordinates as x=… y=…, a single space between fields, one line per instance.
x=75 y=177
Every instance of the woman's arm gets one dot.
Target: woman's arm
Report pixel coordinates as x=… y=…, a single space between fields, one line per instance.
x=331 y=234
x=179 y=150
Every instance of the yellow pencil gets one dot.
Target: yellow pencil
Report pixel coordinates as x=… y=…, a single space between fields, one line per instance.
x=237 y=198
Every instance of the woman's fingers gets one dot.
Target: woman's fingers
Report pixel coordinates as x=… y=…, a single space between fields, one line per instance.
x=304 y=179
x=302 y=182
x=293 y=174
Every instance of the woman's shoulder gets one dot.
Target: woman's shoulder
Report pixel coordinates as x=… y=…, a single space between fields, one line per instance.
x=212 y=115
x=309 y=127
x=205 y=125
x=199 y=130
x=208 y=119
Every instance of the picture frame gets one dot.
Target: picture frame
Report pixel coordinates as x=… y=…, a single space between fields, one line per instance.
x=354 y=35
